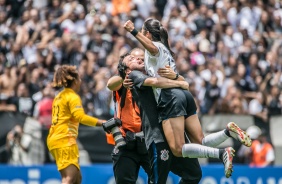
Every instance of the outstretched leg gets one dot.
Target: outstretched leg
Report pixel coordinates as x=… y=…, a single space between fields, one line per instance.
x=195 y=134
x=174 y=132
x=232 y=130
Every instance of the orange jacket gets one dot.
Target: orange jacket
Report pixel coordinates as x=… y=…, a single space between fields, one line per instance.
x=129 y=115
x=259 y=155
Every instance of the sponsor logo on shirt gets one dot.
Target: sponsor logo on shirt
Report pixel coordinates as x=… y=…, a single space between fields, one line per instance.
x=78 y=106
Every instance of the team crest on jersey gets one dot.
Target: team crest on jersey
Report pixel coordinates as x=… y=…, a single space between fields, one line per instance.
x=164 y=155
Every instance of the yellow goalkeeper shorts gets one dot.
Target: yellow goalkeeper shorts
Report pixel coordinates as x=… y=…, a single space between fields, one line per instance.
x=66 y=156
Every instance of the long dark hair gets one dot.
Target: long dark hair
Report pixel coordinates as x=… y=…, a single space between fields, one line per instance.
x=159 y=33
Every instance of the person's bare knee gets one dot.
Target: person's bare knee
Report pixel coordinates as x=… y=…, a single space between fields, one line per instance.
x=197 y=139
x=177 y=151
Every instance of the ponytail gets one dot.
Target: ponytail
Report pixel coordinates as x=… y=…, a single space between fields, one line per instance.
x=159 y=33
x=164 y=39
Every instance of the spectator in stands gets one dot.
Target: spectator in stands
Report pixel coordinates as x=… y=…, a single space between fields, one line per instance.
x=8 y=81
x=15 y=8
x=15 y=55
x=238 y=105
x=100 y=47
x=121 y=8
x=211 y=97
x=273 y=103
x=23 y=100
x=160 y=5
x=43 y=108
x=233 y=102
x=14 y=146
x=32 y=142
x=102 y=95
x=23 y=73
x=261 y=153
x=212 y=69
x=34 y=82
x=6 y=105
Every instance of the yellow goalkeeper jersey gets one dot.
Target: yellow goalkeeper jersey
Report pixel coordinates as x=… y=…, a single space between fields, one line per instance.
x=67 y=113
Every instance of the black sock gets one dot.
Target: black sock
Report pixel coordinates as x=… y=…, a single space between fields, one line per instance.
x=227 y=132
x=221 y=151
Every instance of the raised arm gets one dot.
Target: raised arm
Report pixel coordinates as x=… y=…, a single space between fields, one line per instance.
x=147 y=43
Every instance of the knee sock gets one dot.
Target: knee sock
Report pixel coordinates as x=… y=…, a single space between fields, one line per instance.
x=215 y=139
x=199 y=151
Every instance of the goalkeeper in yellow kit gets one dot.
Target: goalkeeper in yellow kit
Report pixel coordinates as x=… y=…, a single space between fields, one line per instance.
x=67 y=113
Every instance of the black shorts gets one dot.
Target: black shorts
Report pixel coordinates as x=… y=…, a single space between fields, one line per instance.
x=126 y=165
x=163 y=161
x=175 y=102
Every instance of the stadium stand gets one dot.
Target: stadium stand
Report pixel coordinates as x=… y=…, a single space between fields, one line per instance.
x=275 y=132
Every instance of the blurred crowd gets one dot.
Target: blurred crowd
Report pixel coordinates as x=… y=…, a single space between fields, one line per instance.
x=230 y=52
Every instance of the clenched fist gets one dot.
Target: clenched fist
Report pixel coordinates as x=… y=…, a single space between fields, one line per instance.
x=128 y=26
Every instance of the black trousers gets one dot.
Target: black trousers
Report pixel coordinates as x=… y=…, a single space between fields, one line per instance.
x=163 y=161
x=126 y=165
